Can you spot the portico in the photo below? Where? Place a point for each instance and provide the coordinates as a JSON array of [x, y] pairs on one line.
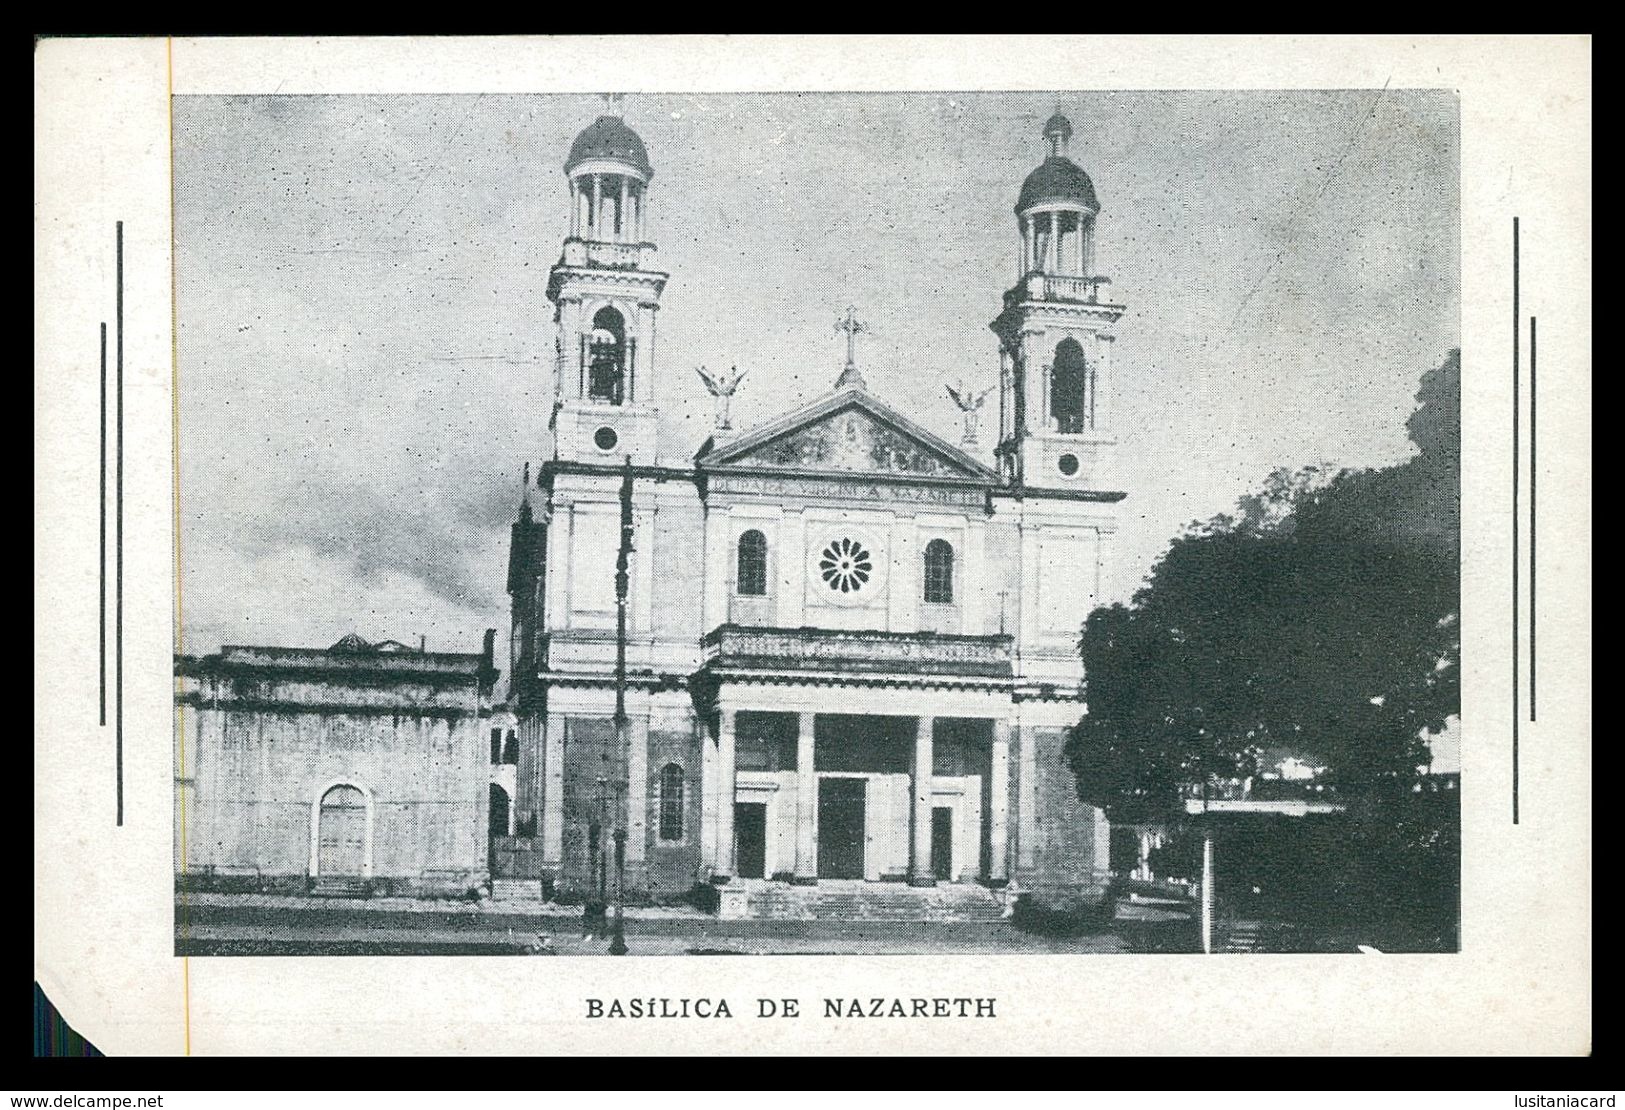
[[806, 778]]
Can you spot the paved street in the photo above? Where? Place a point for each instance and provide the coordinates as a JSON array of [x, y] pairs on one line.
[[262, 925]]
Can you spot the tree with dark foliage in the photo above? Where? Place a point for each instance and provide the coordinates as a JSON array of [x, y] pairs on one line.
[[1322, 617]]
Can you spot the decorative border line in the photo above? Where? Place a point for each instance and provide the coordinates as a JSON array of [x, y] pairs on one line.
[[101, 576], [118, 537], [1516, 479], [1533, 473]]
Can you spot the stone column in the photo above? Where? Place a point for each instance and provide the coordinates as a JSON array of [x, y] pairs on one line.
[[998, 814], [789, 568], [575, 209], [643, 570], [708, 796], [1027, 800], [1006, 408], [597, 213], [646, 354], [570, 341], [1034, 379], [919, 867], [806, 873], [1026, 247], [725, 798], [529, 782], [1053, 247], [1101, 394], [625, 211], [553, 793]]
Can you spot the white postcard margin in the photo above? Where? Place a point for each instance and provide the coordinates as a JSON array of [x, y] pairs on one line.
[[103, 906]]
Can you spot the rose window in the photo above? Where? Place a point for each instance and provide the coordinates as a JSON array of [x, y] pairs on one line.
[[845, 566]]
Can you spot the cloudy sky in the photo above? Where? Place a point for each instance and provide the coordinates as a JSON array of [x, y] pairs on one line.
[[364, 333]]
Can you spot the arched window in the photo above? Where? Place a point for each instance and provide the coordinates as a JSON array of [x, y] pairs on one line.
[[606, 357], [499, 811], [671, 802], [939, 573], [1069, 388], [751, 579]]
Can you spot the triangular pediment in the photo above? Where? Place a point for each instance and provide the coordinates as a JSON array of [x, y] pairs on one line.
[[848, 433]]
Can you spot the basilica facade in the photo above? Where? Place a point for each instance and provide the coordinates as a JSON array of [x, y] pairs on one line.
[[832, 653], [833, 648]]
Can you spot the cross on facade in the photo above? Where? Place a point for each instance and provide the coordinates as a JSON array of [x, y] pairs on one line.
[[1004, 601], [851, 326]]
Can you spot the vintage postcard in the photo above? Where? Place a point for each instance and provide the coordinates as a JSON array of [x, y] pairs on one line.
[[1017, 534]]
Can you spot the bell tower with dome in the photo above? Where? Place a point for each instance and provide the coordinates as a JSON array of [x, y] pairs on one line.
[[605, 292], [1055, 339]]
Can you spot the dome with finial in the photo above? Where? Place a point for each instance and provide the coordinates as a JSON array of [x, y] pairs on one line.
[[1059, 178], [609, 138]]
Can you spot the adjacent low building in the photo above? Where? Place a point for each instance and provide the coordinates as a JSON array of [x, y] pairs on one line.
[[358, 768]]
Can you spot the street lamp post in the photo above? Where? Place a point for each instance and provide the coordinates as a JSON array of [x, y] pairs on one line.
[[589, 924], [617, 944], [623, 813], [603, 866]]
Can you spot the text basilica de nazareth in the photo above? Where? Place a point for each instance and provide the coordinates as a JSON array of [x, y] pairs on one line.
[[890, 1007]]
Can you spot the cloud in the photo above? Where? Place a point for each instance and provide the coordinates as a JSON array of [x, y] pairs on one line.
[[300, 597]]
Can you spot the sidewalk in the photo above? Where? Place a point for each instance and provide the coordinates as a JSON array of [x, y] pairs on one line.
[[251, 924], [516, 907]]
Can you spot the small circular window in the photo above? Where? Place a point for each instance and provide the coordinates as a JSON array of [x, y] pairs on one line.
[[845, 566], [605, 438], [1069, 464]]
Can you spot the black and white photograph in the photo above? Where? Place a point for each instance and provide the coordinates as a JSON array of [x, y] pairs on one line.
[[1067, 545], [818, 523]]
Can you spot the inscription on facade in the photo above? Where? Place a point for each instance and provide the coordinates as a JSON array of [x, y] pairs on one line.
[[851, 490]]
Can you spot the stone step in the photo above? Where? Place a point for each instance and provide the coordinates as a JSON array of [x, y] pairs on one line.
[[948, 902], [516, 890], [339, 887]]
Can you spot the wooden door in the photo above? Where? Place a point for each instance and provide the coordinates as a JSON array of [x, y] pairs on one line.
[[942, 843], [342, 833], [750, 840], [840, 828]]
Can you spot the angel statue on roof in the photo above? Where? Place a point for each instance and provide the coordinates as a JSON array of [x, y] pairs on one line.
[[721, 385], [970, 403]]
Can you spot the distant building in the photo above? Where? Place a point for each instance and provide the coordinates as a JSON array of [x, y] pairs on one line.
[[361, 767]]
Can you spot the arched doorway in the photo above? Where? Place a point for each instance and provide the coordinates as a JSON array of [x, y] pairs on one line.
[[341, 838]]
